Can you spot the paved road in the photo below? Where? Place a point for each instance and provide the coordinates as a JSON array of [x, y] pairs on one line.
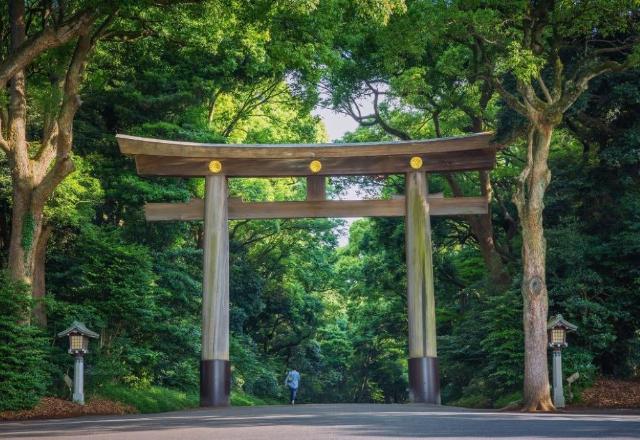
[[306, 422]]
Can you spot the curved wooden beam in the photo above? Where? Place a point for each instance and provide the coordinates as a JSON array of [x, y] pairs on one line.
[[133, 145]]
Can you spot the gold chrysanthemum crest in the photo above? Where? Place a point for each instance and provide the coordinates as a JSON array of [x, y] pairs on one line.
[[315, 166], [215, 166]]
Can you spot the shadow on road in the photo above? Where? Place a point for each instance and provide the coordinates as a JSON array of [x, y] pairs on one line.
[[336, 421]]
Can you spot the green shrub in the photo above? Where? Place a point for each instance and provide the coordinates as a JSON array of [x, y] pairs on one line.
[[148, 399], [473, 401], [508, 399], [577, 360], [23, 349], [154, 399], [238, 398]]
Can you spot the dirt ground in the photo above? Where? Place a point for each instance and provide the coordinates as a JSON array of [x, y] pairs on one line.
[[609, 393], [55, 408]]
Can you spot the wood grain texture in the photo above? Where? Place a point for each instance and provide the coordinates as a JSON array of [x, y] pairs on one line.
[[396, 207], [318, 208], [134, 145], [469, 160], [420, 287], [215, 286], [316, 188]]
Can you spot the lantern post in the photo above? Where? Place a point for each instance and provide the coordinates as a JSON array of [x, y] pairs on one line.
[[79, 336], [557, 329]]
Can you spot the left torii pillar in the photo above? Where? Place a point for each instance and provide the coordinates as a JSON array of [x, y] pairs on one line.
[[215, 369]]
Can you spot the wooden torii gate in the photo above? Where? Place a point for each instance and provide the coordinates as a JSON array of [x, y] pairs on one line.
[[217, 162]]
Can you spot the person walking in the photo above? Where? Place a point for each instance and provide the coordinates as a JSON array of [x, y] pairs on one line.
[[293, 381]]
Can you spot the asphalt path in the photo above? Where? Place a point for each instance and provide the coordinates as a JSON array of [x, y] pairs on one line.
[[348, 421]]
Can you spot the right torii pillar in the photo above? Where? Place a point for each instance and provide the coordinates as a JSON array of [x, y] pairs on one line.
[[424, 376]]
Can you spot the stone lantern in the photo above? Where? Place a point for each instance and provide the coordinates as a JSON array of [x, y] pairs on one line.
[[79, 336], [557, 329]]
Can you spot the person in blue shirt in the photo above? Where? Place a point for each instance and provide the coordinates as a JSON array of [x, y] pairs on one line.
[[293, 381]]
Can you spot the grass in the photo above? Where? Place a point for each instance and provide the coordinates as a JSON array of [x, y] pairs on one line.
[[514, 398], [151, 399], [154, 399], [238, 398], [472, 401]]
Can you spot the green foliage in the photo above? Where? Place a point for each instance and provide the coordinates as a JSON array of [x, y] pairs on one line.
[[471, 400], [108, 284], [508, 400], [243, 72], [23, 349], [148, 399], [521, 62], [239, 398]]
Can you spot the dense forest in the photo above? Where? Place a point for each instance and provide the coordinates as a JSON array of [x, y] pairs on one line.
[[548, 77]]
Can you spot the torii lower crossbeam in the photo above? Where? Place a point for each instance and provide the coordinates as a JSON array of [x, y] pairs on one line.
[[239, 210]]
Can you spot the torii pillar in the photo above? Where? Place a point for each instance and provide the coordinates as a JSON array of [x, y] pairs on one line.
[[424, 376], [215, 369]]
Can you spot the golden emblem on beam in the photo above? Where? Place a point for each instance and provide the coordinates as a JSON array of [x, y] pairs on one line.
[[315, 166], [215, 166], [416, 162]]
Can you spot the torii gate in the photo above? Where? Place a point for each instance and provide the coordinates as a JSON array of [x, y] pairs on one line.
[[217, 162]]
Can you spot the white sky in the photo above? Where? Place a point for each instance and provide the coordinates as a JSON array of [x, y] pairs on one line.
[[337, 123]]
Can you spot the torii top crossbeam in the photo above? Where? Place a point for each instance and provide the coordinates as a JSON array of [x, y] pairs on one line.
[[155, 157], [172, 158]]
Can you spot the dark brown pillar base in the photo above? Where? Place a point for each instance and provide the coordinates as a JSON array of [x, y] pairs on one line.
[[424, 380], [215, 382]]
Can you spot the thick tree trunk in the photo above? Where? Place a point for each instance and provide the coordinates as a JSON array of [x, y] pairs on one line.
[[482, 229], [528, 198], [38, 287], [25, 220], [26, 229]]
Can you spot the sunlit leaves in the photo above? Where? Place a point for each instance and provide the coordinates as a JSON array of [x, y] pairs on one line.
[[521, 62]]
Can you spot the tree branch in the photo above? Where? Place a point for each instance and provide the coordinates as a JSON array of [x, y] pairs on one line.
[[509, 97], [544, 89], [48, 38], [580, 82], [385, 126], [557, 81], [63, 141], [529, 94]]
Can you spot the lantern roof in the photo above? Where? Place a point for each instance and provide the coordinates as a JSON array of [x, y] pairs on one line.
[[78, 327], [559, 321]]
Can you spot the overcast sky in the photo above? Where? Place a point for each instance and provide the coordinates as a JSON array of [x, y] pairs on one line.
[[337, 123]]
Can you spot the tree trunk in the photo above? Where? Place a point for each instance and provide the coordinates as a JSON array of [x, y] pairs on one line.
[[528, 198], [482, 229], [38, 287], [26, 219], [481, 225], [26, 229]]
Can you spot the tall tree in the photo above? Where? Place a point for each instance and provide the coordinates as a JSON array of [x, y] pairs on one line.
[[406, 79], [44, 58], [38, 167], [540, 55]]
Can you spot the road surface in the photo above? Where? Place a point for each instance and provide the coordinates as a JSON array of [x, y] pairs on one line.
[[349, 421]]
